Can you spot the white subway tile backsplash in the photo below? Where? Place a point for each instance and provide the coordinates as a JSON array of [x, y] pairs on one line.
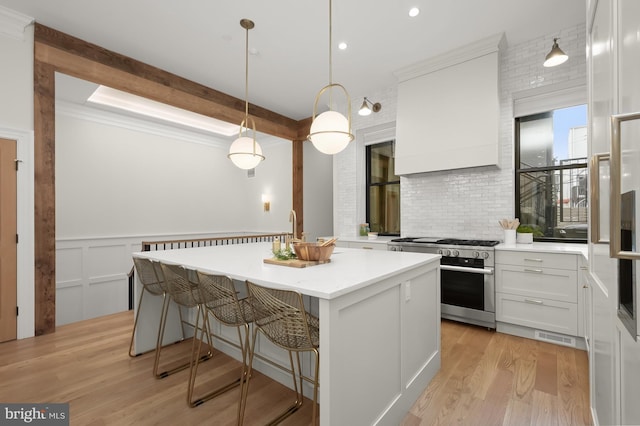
[[467, 202]]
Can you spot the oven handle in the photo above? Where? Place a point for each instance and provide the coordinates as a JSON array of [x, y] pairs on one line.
[[483, 271]]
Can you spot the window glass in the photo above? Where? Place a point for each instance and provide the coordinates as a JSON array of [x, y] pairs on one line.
[[551, 177], [383, 189]]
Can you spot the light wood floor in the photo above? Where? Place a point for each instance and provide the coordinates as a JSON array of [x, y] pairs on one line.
[[487, 378], [490, 378]]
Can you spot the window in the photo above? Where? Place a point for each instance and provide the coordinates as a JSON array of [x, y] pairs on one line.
[[551, 174], [383, 189]]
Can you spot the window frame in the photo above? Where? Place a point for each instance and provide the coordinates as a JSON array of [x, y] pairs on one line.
[[368, 183], [519, 171]]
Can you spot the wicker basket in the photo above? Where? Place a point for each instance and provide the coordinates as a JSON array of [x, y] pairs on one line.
[[313, 251]]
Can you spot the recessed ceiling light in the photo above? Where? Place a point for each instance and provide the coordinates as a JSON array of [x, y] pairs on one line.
[[342, 45], [413, 12]]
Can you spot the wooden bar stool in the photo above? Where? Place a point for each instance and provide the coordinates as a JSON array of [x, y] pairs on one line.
[[281, 317]]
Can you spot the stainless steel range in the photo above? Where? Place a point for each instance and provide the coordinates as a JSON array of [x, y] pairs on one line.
[[467, 279]]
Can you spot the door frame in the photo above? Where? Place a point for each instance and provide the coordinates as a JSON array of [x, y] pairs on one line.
[[25, 225]]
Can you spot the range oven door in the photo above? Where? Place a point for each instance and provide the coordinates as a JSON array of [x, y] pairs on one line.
[[468, 294]]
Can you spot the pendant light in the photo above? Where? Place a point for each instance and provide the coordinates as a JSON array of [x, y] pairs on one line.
[[556, 56], [331, 131], [245, 151]]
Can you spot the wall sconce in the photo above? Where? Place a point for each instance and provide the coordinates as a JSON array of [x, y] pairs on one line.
[[556, 56], [266, 202], [365, 110]]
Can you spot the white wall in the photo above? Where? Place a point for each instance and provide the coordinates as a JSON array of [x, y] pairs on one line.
[[16, 73], [16, 123], [466, 202], [121, 180]]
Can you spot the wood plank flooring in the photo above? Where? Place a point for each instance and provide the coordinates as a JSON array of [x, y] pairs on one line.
[[487, 378], [490, 378]]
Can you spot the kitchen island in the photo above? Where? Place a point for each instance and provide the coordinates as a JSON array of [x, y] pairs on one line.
[[379, 317]]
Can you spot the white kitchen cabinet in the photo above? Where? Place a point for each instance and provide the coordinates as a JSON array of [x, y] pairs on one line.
[[629, 378], [537, 313], [457, 90], [369, 245], [537, 290], [613, 55], [585, 320], [379, 243]]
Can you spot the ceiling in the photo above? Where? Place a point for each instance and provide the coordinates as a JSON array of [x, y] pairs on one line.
[[202, 40]]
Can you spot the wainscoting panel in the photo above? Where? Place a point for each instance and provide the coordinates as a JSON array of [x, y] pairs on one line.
[[92, 274], [68, 264], [106, 295], [69, 305]]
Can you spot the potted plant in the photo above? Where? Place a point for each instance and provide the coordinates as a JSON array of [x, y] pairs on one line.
[[525, 234]]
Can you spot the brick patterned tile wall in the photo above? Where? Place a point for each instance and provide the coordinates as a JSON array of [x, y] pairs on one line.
[[467, 202]]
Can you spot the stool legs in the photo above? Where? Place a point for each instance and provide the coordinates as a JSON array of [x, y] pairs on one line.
[[163, 321], [135, 324], [297, 384], [195, 361]]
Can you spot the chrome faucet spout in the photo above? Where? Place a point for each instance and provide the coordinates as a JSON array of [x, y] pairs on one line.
[[293, 218]]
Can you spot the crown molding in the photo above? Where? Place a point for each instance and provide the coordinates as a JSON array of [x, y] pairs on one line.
[[462, 54], [13, 24], [85, 112], [132, 123]]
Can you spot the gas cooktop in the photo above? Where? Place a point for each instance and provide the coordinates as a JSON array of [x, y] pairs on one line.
[[447, 241]]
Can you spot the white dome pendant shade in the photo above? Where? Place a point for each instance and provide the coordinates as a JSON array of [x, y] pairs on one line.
[[245, 152], [330, 131]]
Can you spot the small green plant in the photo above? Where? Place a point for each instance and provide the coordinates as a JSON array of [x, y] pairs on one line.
[[284, 254], [527, 229]]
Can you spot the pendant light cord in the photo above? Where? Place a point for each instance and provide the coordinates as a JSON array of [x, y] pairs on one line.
[[246, 78], [330, 56]]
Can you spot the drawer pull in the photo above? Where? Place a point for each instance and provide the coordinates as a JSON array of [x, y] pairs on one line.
[[533, 260], [537, 271], [534, 302], [367, 248]]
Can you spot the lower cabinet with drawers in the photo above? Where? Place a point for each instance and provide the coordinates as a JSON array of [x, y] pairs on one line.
[[363, 243], [537, 296]]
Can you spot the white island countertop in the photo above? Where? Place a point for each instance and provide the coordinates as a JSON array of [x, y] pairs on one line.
[[348, 271], [379, 315]]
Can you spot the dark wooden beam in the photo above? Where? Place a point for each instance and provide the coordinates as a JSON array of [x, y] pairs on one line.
[[81, 59], [44, 199], [297, 168]]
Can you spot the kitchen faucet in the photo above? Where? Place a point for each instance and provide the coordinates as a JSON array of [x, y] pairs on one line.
[[293, 218]]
